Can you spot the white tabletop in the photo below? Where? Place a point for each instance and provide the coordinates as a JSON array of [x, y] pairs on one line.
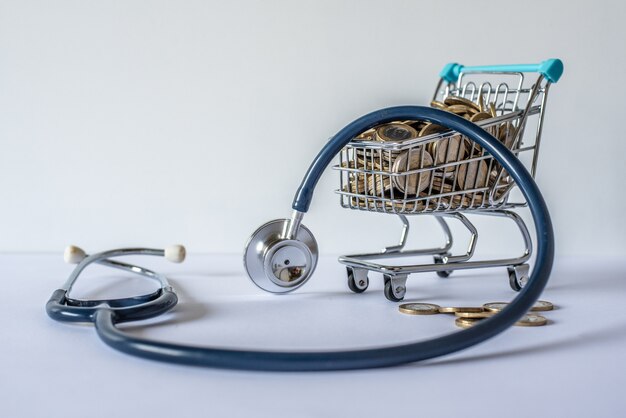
[[575, 366]]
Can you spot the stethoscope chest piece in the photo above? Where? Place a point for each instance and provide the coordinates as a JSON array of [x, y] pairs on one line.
[[278, 264]]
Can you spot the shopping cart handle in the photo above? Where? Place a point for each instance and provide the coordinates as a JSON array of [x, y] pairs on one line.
[[551, 69]]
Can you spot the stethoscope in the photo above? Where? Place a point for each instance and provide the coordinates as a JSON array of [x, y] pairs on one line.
[[287, 239]]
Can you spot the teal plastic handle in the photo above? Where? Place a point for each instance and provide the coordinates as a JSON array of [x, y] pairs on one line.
[[551, 69]]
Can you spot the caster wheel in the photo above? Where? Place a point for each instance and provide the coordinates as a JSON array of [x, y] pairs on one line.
[[439, 259], [395, 288], [518, 276], [357, 280]]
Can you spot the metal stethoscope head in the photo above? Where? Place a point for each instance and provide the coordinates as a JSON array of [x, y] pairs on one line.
[[281, 255]]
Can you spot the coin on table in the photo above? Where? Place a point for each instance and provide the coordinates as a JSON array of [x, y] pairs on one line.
[[457, 100], [540, 305], [474, 315], [532, 321], [419, 308], [412, 159], [395, 132], [495, 306], [466, 322], [454, 309]]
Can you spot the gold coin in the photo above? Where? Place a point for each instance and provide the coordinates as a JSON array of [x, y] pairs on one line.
[[448, 150], [368, 135], [495, 306], [457, 100], [419, 308], [473, 174], [431, 128], [465, 201], [460, 109], [480, 116], [532, 321], [378, 184], [492, 109], [395, 132], [454, 309], [412, 159], [466, 322], [474, 315], [481, 103], [438, 105], [540, 305], [439, 186]]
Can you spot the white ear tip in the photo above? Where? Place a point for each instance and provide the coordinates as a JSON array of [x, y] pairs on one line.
[[175, 253], [73, 254]]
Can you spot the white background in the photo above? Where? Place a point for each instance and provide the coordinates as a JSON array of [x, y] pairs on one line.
[[152, 122], [573, 367]]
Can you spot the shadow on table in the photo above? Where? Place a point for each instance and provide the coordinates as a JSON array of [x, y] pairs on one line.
[[599, 336]]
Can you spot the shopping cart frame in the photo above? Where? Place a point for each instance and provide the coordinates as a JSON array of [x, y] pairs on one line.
[[517, 105]]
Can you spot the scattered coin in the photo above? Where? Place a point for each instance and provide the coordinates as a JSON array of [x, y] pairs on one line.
[[540, 305], [419, 308], [454, 309], [474, 315], [466, 322], [468, 316], [495, 306], [532, 321]]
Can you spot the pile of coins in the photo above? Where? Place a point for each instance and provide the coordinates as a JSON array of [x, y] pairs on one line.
[[439, 162], [470, 315]]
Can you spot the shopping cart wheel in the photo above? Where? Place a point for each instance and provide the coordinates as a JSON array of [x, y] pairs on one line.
[[441, 259], [357, 279], [395, 286], [518, 276]]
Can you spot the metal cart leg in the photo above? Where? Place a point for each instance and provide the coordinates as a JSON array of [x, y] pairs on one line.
[[358, 280], [395, 275]]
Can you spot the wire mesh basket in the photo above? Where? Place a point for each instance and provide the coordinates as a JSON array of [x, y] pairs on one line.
[[414, 167]]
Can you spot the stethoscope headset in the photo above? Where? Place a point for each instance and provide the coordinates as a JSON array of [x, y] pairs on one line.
[[289, 239]]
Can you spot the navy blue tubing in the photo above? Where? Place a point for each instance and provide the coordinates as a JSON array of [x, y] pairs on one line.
[[105, 319]]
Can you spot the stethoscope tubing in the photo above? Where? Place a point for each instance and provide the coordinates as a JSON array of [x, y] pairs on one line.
[[106, 318]]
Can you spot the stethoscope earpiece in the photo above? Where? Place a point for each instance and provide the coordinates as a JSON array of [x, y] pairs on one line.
[[73, 254], [175, 253]]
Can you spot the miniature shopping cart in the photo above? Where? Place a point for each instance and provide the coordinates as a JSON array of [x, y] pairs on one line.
[[445, 174]]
